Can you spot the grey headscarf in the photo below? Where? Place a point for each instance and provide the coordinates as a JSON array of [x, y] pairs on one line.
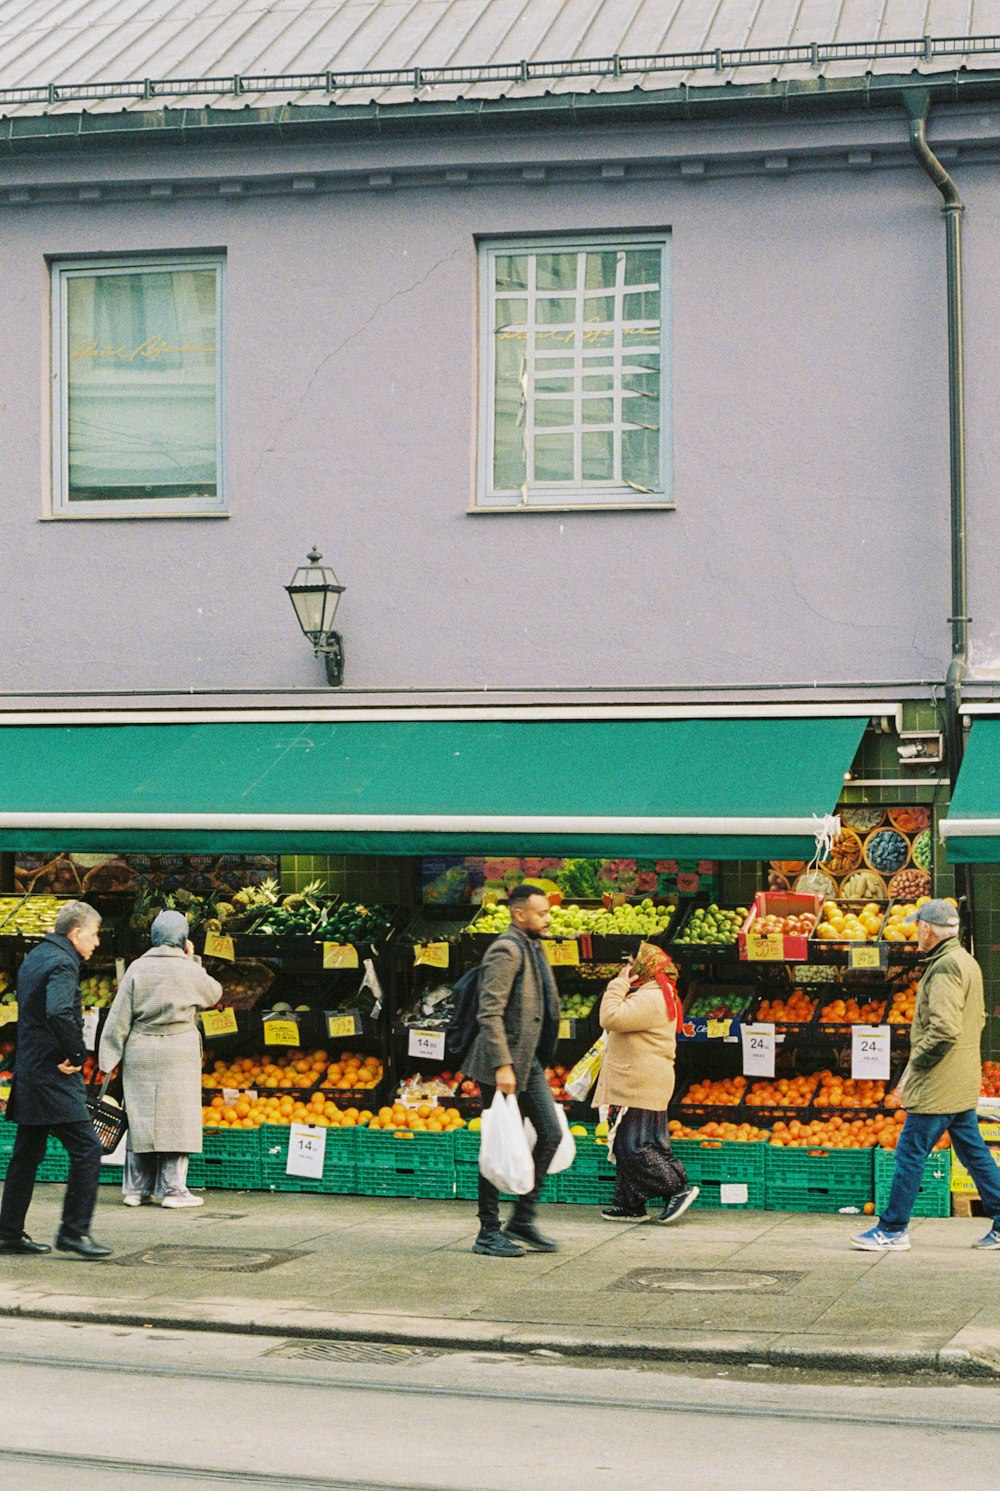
[[170, 929]]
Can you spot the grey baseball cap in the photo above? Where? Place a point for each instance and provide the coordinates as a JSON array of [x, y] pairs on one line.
[[937, 913]]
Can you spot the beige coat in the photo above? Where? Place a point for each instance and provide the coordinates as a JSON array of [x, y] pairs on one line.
[[638, 1066], [152, 1029], [948, 1020]]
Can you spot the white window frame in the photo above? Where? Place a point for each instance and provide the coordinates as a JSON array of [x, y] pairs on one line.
[[61, 272], [567, 496]]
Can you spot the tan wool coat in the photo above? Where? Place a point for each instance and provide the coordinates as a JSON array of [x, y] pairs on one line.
[[638, 1066], [948, 1021], [152, 1029]]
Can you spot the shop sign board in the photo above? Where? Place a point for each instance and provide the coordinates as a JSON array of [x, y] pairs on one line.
[[758, 1050], [283, 1032], [432, 954], [306, 1151], [340, 955], [218, 1022], [870, 1051], [343, 1023], [426, 1043]]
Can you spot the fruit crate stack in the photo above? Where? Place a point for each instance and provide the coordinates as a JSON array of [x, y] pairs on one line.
[[467, 1170], [340, 1162], [229, 1161], [727, 1174], [934, 1196], [8, 1133], [403, 1163], [590, 1180], [817, 1179]]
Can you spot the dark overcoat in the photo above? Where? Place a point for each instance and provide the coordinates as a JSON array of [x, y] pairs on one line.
[[518, 1011], [49, 1030]]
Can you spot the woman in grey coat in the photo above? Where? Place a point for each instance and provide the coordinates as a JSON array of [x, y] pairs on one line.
[[152, 1029]]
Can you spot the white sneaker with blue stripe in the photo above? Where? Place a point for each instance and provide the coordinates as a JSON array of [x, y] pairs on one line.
[[991, 1240], [881, 1240]]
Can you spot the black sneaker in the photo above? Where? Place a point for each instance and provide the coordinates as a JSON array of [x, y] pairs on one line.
[[495, 1245], [621, 1214], [678, 1205], [528, 1233]]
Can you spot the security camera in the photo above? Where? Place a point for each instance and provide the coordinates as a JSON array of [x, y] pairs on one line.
[[909, 750]]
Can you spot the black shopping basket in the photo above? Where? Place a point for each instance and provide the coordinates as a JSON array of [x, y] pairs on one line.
[[110, 1121]]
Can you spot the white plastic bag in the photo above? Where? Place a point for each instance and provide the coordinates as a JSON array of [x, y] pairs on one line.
[[566, 1153], [504, 1156]]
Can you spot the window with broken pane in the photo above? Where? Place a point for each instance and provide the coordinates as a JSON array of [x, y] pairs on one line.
[[575, 350]]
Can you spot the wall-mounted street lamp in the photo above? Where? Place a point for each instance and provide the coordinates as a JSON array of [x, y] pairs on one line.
[[314, 593]]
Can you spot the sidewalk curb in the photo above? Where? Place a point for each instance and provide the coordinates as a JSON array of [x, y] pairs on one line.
[[982, 1364]]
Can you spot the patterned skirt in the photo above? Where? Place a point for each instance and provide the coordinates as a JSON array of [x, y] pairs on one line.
[[645, 1165]]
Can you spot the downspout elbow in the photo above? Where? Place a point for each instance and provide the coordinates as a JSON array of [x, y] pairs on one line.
[[917, 103]]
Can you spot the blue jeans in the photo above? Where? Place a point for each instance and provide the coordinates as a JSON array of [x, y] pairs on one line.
[[921, 1131]]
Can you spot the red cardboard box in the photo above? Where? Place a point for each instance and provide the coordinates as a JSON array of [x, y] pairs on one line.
[[779, 948]]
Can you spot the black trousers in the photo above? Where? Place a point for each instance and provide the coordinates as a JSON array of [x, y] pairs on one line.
[[84, 1149], [537, 1104]]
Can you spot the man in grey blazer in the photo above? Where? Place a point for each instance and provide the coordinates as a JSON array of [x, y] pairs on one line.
[[518, 1028]]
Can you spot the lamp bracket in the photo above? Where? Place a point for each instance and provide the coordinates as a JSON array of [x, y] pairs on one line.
[[330, 646]]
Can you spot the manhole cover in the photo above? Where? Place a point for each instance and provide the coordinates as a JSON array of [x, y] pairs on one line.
[[350, 1351], [213, 1260], [707, 1280], [219, 1216]]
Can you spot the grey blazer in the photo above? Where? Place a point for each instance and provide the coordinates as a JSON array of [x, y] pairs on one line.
[[514, 1024]]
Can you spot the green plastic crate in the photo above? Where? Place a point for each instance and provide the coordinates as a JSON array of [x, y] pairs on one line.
[[340, 1168], [712, 1164], [820, 1180], [8, 1133], [582, 1190], [591, 1157], [430, 1184], [419, 1152], [934, 1196], [55, 1166], [229, 1161]]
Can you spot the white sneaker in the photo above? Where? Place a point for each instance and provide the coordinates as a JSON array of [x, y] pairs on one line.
[[178, 1201], [134, 1200]]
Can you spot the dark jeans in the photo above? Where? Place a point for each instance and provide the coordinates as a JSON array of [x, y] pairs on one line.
[[84, 1149], [537, 1104], [921, 1131]]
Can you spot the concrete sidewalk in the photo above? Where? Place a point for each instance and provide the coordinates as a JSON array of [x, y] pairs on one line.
[[725, 1286]]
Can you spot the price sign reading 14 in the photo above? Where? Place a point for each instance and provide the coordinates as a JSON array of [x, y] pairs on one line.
[[426, 1043], [870, 1052]]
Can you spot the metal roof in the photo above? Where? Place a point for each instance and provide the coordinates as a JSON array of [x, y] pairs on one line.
[[103, 56]]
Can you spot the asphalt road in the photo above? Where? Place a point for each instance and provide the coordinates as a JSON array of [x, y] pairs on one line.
[[128, 1409]]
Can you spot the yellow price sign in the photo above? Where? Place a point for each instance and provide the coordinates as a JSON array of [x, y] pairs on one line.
[[768, 947], [217, 946], [339, 1025], [218, 1022], [565, 1030], [340, 955], [717, 1030], [8, 1014], [281, 1032], [865, 957], [433, 954], [562, 954]]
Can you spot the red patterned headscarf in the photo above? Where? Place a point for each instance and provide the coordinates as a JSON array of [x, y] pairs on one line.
[[651, 962]]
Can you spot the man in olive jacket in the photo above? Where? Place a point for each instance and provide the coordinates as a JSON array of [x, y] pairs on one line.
[[518, 1027], [940, 1087], [48, 1095]]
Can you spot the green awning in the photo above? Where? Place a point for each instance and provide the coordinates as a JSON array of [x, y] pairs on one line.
[[971, 831], [709, 788]]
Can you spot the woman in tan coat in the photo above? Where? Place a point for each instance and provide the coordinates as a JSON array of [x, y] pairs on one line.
[[640, 1011]]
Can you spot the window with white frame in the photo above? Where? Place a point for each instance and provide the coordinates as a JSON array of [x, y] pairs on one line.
[[574, 409], [137, 387]]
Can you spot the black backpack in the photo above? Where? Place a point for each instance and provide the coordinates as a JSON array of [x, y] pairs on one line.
[[463, 1027]]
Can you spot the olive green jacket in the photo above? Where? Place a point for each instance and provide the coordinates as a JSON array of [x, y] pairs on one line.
[[945, 1062]]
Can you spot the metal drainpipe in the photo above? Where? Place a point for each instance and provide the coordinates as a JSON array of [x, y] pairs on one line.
[[917, 106]]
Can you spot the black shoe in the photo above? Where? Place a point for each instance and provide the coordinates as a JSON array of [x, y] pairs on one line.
[[620, 1214], [678, 1205], [83, 1247], [22, 1244], [528, 1233], [495, 1245]]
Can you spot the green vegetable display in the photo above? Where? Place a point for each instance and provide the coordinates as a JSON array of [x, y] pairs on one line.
[[713, 925]]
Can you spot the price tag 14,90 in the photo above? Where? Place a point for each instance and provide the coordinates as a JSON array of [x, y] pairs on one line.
[[870, 1052], [426, 1043], [306, 1151], [758, 1050]]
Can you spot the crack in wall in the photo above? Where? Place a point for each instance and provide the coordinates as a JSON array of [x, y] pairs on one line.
[[383, 305]]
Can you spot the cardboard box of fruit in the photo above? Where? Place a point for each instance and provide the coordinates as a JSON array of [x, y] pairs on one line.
[[779, 926]]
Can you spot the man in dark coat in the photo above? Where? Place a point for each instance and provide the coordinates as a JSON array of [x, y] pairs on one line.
[[518, 1027], [47, 1094]]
